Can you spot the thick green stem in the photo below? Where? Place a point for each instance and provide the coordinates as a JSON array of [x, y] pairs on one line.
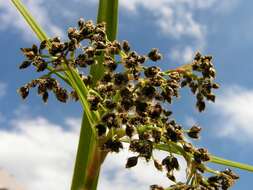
[[87, 143], [108, 13]]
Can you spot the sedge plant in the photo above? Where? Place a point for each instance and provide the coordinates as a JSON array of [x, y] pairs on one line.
[[128, 105]]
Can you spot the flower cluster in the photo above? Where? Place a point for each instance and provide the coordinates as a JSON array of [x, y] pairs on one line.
[[132, 100]]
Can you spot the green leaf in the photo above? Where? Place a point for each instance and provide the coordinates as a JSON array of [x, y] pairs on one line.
[[30, 20], [108, 13]]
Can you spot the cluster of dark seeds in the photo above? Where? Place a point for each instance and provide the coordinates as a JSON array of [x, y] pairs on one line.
[[131, 102]]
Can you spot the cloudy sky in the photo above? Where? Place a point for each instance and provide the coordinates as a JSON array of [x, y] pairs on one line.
[[38, 141]]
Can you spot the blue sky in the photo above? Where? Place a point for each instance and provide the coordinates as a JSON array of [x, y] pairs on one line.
[[38, 141]]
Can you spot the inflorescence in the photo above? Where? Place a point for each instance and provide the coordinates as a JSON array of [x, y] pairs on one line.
[[133, 101]]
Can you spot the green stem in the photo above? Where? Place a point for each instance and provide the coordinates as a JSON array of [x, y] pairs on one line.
[[86, 146], [108, 13], [230, 163]]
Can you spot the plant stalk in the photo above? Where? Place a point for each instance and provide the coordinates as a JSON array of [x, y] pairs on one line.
[[86, 173]]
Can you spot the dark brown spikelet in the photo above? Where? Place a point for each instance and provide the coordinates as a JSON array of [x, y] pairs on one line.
[[151, 71], [156, 187], [113, 145], [200, 105], [125, 46], [101, 129], [129, 130], [45, 97], [170, 163], [43, 44], [158, 166], [194, 132], [154, 55], [171, 177], [110, 104], [74, 95], [23, 92], [132, 161], [61, 95], [120, 79], [25, 64]]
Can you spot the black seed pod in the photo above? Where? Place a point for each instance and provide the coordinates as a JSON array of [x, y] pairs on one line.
[[171, 163], [141, 59], [101, 129], [155, 111], [151, 71], [125, 46], [94, 101], [188, 147], [129, 130], [107, 78], [28, 52], [156, 134], [132, 161], [156, 187], [141, 106], [126, 104], [197, 56], [110, 104], [215, 86], [171, 177], [113, 145], [110, 120], [158, 165], [200, 155], [25, 64], [148, 91], [200, 105], [45, 97], [81, 23], [174, 163], [61, 95], [194, 132], [43, 44], [41, 65], [120, 79], [23, 91], [74, 95], [154, 55], [210, 97]]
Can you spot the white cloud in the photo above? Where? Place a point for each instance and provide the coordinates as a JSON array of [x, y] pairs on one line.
[[233, 110], [11, 19], [40, 155], [183, 55], [3, 89], [177, 19]]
